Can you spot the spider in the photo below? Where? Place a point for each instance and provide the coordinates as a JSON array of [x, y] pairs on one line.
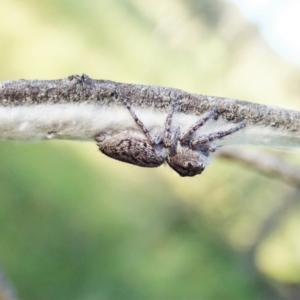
[[185, 154]]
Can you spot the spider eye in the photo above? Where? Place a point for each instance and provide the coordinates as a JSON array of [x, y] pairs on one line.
[[194, 169], [187, 168]]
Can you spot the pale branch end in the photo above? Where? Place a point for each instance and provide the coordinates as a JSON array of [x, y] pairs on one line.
[[7, 291]]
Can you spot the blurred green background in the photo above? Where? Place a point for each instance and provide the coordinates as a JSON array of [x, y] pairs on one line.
[[77, 225]]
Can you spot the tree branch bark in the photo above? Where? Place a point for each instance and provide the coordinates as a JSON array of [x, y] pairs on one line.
[[31, 103]]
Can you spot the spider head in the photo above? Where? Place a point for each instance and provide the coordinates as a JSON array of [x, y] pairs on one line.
[[187, 162]]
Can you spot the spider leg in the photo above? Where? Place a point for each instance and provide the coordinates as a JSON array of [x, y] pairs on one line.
[[139, 123], [186, 137], [171, 135], [208, 148], [215, 136], [168, 141]]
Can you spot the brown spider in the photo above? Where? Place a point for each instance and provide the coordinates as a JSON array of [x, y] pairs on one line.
[[185, 154]]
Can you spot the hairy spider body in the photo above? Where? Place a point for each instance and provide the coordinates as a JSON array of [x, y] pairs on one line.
[[132, 148], [186, 155]]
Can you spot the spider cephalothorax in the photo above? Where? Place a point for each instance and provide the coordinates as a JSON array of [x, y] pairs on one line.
[[186, 161], [184, 153]]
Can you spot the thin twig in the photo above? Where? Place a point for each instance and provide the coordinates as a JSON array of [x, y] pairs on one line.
[[265, 163]]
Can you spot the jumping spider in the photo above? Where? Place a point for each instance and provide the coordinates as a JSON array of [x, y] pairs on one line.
[[185, 154]]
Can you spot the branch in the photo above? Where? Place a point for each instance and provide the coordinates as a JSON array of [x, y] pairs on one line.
[[78, 108], [265, 163]]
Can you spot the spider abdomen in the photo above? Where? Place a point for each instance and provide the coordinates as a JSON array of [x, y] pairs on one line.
[[133, 150]]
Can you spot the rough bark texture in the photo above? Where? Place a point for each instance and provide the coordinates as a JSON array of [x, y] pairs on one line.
[[81, 88]]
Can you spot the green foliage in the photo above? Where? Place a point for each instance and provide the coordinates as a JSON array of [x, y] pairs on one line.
[[71, 232]]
